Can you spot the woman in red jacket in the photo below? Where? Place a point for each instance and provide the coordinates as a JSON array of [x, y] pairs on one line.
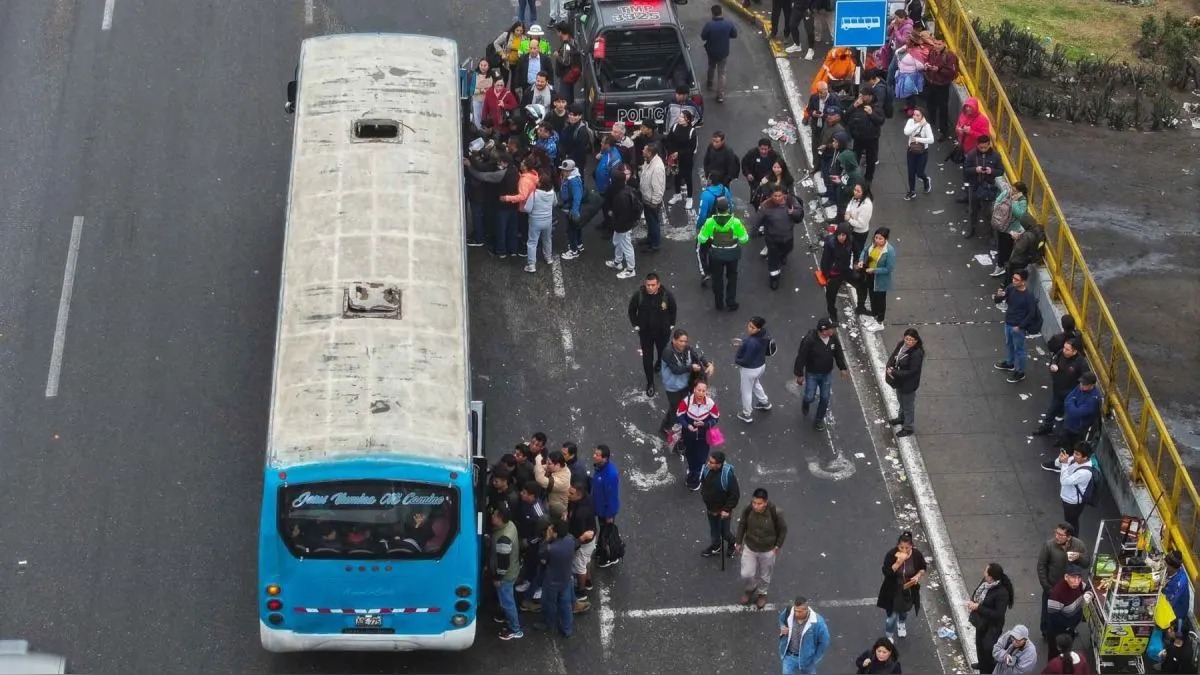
[[972, 124], [497, 104]]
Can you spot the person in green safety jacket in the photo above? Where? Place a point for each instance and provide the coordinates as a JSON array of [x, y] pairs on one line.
[[725, 235]]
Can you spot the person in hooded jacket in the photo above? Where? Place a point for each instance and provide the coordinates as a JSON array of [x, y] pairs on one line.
[[971, 126], [882, 657], [845, 173], [903, 373], [1014, 653], [988, 606], [837, 262], [776, 220], [540, 207], [864, 122], [1010, 199], [825, 150], [726, 235], [571, 192], [751, 360]]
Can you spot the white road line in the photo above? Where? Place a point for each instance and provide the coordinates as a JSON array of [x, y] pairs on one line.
[[607, 619], [568, 342], [559, 666], [671, 612], [106, 22], [560, 288], [64, 309], [308, 12]]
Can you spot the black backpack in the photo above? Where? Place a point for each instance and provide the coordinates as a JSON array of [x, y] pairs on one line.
[[610, 546], [633, 201]]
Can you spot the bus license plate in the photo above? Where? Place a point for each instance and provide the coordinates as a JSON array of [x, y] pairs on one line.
[[368, 621]]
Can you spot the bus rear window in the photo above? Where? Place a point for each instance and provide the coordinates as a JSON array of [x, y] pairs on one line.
[[368, 519], [642, 59]]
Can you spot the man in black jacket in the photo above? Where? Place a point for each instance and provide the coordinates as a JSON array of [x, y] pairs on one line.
[[757, 163], [652, 314], [864, 121], [981, 168], [575, 141], [776, 220], [720, 159], [720, 492], [1067, 365], [819, 351]]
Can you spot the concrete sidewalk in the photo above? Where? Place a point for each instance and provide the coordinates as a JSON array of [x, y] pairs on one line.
[[973, 462]]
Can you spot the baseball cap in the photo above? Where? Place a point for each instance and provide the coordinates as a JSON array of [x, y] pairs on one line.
[[824, 324], [1074, 570], [567, 165], [832, 110], [575, 109]]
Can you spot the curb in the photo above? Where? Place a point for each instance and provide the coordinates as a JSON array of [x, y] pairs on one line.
[[945, 558]]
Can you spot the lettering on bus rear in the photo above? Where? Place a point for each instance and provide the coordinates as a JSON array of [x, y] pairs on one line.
[[368, 519]]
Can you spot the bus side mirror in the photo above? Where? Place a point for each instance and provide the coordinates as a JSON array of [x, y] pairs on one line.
[[290, 106]]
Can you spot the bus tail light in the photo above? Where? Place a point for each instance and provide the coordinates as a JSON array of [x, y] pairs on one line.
[[463, 591], [459, 620], [274, 605], [462, 606], [273, 590], [275, 619]]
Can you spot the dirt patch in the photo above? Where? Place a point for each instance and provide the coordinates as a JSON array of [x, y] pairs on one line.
[[1085, 27], [1131, 200]]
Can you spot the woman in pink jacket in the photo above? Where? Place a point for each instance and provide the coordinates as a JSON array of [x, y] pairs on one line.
[[972, 124]]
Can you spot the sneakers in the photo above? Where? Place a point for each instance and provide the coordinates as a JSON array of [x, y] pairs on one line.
[[499, 619], [909, 196], [745, 599], [745, 418], [608, 563], [704, 280], [792, 49], [580, 593], [804, 407], [693, 488], [1016, 376], [613, 264], [675, 199], [872, 324], [1003, 365], [928, 184], [589, 585], [808, 55], [730, 552], [761, 601], [289, 107], [531, 268], [1033, 336], [896, 421], [762, 406], [711, 550], [819, 425], [570, 254], [474, 244], [650, 391], [1050, 466], [522, 587], [901, 434], [763, 252], [998, 271], [627, 273], [507, 634], [688, 204], [537, 595], [901, 630], [501, 256]]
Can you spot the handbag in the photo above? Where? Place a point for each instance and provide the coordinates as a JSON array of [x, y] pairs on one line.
[[917, 148], [715, 437], [903, 600]]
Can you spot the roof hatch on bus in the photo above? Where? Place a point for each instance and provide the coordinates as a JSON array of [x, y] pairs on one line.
[[377, 129], [367, 300]]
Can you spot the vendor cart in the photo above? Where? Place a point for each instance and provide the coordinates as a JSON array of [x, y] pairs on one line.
[[1126, 577]]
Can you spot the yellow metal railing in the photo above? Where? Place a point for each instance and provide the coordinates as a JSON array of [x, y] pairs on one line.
[[1157, 464]]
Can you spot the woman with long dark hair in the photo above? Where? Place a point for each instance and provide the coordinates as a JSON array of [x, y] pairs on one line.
[[900, 593], [882, 658], [988, 606], [681, 151], [903, 373], [875, 266]]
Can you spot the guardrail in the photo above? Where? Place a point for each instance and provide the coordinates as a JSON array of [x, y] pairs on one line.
[[1156, 461]]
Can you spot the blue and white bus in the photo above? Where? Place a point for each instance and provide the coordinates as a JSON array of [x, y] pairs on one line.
[[370, 530]]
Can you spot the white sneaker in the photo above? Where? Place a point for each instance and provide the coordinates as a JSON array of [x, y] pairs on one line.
[[569, 254], [537, 595], [763, 252], [688, 204], [998, 272], [875, 326], [792, 49], [675, 199], [901, 630], [531, 268], [522, 587], [809, 54], [627, 273], [613, 264]]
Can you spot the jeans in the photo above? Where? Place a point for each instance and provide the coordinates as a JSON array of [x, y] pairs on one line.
[[574, 232], [823, 382], [508, 605], [652, 345], [1014, 347], [531, 5], [695, 446], [718, 529], [717, 68], [889, 623], [791, 666], [477, 220], [557, 608], [916, 168], [653, 215], [751, 388], [506, 232], [623, 249], [908, 409], [538, 233], [756, 570]]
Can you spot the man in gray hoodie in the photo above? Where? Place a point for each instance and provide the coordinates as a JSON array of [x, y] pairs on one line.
[[776, 220], [1015, 654]]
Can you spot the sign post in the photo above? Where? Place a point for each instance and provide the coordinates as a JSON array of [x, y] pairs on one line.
[[860, 24]]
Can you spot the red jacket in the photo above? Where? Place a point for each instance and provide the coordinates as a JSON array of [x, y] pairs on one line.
[[941, 67], [972, 124], [494, 106]]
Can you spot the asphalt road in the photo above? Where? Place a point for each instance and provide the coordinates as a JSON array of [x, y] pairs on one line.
[[130, 498]]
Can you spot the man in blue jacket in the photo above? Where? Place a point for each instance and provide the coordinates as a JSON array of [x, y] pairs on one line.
[[751, 360], [803, 638], [606, 496], [716, 35], [1020, 316], [1081, 410]]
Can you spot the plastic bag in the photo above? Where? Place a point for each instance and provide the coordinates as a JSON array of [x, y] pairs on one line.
[[715, 437]]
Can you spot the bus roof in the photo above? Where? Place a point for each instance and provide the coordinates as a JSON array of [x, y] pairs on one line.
[[371, 354]]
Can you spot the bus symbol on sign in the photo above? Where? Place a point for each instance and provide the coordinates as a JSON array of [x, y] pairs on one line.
[[863, 22]]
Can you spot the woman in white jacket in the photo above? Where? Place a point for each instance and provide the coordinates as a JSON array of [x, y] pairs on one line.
[[858, 215], [540, 207], [920, 137]]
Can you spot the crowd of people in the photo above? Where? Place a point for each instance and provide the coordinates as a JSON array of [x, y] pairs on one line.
[[534, 162]]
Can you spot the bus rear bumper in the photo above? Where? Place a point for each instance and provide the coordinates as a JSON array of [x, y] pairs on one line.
[[277, 640]]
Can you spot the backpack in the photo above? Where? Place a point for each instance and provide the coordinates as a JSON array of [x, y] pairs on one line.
[[633, 201], [1091, 494], [610, 545], [726, 471], [1002, 210]]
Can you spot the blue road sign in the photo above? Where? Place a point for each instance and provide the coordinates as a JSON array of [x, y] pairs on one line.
[[860, 23]]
